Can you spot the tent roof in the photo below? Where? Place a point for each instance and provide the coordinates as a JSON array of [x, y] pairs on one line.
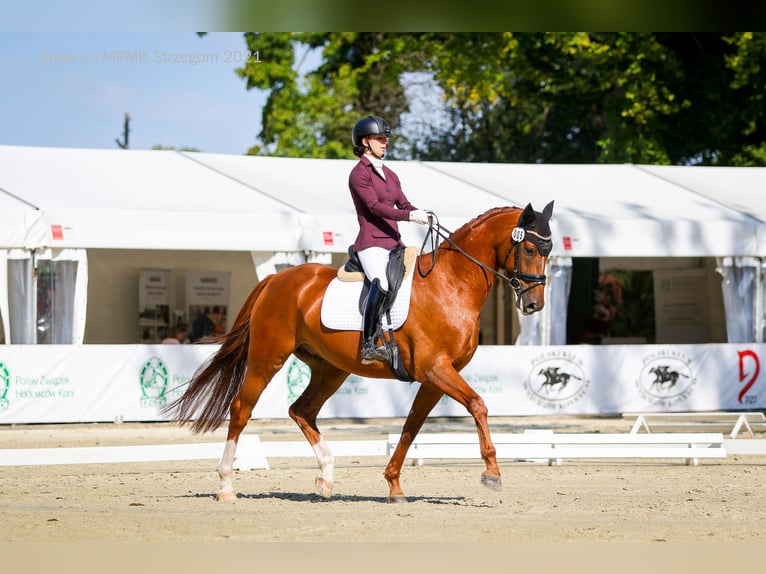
[[144, 200], [20, 226], [319, 189], [135, 199], [617, 210], [739, 188]]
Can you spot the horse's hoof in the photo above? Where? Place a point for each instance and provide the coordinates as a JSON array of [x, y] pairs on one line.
[[324, 488], [491, 481], [398, 499], [226, 496]]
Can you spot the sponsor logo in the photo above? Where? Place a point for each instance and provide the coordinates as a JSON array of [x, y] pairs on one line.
[[5, 385], [154, 383], [748, 377], [556, 380], [298, 377], [666, 378], [352, 386]]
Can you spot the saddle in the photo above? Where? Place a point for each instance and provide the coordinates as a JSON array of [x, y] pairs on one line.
[[400, 262]]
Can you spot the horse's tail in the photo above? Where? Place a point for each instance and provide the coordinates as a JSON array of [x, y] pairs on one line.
[[215, 384]]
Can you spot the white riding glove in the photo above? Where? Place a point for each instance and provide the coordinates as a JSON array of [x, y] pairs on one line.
[[420, 216]]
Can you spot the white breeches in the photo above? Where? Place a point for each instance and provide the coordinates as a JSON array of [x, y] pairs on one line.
[[374, 261]]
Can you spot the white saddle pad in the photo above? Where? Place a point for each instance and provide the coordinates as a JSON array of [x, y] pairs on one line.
[[340, 306]]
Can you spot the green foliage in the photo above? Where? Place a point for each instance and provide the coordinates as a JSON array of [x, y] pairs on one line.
[[658, 98]]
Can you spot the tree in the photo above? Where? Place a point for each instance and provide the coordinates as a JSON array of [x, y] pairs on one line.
[[663, 98], [313, 115]]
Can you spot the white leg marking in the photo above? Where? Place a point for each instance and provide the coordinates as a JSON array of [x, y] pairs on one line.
[[226, 466], [325, 459]]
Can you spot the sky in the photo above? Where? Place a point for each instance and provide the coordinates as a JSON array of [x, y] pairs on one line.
[[70, 89]]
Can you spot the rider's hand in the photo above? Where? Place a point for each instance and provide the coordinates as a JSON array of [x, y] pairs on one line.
[[420, 216]]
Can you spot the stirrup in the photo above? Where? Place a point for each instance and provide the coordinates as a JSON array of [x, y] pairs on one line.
[[372, 353]]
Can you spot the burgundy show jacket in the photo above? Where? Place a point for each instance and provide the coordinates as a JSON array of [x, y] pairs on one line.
[[380, 204]]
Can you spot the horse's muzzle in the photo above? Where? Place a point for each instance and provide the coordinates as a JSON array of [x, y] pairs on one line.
[[531, 307]]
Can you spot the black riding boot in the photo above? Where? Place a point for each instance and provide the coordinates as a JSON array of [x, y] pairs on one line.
[[371, 324]]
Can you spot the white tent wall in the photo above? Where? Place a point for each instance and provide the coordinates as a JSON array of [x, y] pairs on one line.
[[5, 325], [113, 286], [741, 189], [53, 313]]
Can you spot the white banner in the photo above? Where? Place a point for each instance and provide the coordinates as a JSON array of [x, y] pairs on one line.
[[104, 383]]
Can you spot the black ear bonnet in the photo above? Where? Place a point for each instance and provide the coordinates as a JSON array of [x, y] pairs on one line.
[[534, 226]]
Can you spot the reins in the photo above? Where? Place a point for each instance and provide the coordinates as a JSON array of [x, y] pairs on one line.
[[517, 238]]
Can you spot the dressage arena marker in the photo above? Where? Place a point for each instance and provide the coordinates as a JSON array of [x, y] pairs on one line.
[[556, 447], [720, 420], [540, 445], [251, 452]]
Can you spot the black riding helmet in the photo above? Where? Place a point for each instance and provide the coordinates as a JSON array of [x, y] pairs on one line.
[[371, 125]]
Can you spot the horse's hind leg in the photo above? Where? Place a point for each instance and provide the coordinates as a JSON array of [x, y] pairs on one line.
[[325, 380], [240, 411]]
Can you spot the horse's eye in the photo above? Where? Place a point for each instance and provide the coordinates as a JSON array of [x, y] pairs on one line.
[[530, 252]]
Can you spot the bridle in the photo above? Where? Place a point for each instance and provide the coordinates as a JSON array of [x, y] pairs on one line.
[[519, 234]]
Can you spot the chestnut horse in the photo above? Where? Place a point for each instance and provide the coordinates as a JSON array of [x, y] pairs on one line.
[[281, 317]]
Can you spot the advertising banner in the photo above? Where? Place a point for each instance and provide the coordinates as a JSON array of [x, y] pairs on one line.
[[104, 383], [153, 304]]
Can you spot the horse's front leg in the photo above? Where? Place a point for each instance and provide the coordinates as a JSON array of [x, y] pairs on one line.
[[449, 381], [425, 400], [491, 475]]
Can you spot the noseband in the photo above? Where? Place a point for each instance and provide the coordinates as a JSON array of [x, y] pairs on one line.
[[543, 245], [518, 236]]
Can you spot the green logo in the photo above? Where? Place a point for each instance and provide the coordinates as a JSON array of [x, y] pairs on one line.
[[154, 383], [5, 385], [298, 377]]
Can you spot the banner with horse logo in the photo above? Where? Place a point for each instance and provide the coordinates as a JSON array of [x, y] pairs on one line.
[[104, 383]]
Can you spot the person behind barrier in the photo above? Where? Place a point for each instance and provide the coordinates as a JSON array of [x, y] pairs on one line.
[[177, 336], [380, 204]]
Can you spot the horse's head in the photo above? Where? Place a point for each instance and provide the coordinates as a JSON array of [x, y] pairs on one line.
[[531, 244]]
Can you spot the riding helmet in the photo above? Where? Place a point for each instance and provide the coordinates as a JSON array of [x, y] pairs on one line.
[[371, 125]]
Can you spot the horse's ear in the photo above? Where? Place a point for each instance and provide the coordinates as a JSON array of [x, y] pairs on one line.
[[548, 211], [527, 216]]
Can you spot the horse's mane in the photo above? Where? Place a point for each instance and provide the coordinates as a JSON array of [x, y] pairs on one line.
[[481, 218]]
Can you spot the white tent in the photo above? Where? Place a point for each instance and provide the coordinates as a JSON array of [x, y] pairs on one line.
[[740, 188], [319, 188], [123, 201], [618, 210], [143, 200], [21, 225], [744, 190], [179, 200]]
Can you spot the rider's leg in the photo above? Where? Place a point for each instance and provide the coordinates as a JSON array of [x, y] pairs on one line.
[[374, 261], [371, 325]]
